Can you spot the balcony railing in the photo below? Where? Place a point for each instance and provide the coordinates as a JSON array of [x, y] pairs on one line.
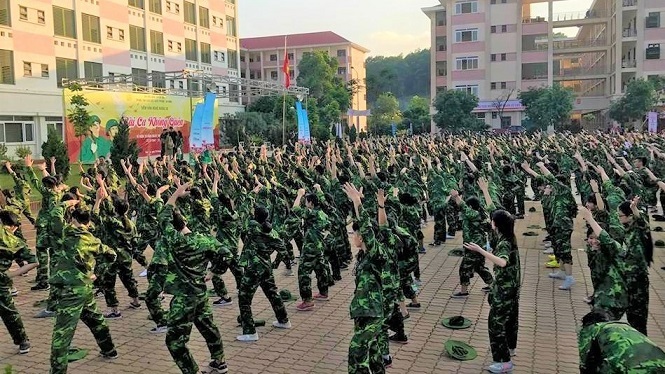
[[534, 20], [629, 2], [627, 64], [572, 16], [579, 43], [582, 70], [629, 33]]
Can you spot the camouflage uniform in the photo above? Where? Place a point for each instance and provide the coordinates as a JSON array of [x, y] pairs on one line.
[[74, 261], [146, 225], [12, 248], [617, 348], [610, 287], [504, 301], [391, 288], [311, 252], [227, 234], [367, 304], [188, 262], [407, 261], [563, 209], [22, 193], [157, 271], [473, 231], [43, 245], [636, 274], [258, 246]]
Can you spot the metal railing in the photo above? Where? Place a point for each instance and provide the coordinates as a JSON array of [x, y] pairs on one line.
[[579, 43], [534, 20], [573, 16], [626, 64], [598, 69], [628, 33], [629, 2]]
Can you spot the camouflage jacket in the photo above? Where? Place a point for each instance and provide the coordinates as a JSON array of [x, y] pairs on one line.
[[12, 248], [315, 225], [146, 220], [611, 291], [563, 205], [617, 348], [227, 225], [368, 296], [120, 234], [49, 198], [258, 246], [189, 256], [507, 280], [474, 228], [200, 216], [614, 197], [390, 275], [633, 254]]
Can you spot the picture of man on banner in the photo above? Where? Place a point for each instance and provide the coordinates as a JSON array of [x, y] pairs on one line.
[[93, 145]]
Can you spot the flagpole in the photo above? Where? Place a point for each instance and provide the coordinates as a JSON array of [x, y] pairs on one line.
[[284, 101]]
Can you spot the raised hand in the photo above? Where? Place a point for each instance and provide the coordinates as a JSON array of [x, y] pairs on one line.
[[28, 161]]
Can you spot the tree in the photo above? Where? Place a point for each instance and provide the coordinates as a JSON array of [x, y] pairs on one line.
[[123, 148], [404, 76], [384, 113], [640, 97], [454, 109], [55, 147], [548, 106], [501, 101], [417, 116], [78, 114]]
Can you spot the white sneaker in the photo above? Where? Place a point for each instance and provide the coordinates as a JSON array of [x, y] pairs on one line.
[[450, 237], [549, 251], [558, 275], [14, 292], [282, 325], [159, 330], [144, 273], [512, 353], [568, 283], [501, 367], [288, 273], [248, 338]]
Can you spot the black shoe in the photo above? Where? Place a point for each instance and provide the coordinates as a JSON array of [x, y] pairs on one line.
[[24, 348], [486, 289], [413, 305], [113, 315], [388, 362], [133, 305], [223, 301], [337, 278], [110, 355], [344, 266], [40, 287], [397, 338], [218, 367], [404, 318], [459, 295]]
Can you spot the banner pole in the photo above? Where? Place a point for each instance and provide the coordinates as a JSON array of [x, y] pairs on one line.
[[284, 100]]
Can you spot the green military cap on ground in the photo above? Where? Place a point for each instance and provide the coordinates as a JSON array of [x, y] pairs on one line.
[[460, 350], [456, 323], [457, 252], [286, 295]]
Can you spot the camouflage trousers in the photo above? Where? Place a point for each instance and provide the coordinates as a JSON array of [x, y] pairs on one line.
[[10, 316], [405, 279], [473, 263], [333, 250], [364, 354], [185, 311], [218, 282], [508, 202], [122, 270], [156, 278], [289, 247], [74, 304], [313, 262], [147, 239], [637, 310], [591, 256], [251, 280], [561, 244], [42, 252], [394, 321], [503, 324], [520, 197], [440, 225], [452, 219]]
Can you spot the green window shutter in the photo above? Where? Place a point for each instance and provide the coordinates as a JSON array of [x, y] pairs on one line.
[[58, 21], [5, 18], [6, 67]]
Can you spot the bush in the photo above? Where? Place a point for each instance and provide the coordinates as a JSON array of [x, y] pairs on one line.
[[3, 152], [55, 147], [123, 148], [23, 151]]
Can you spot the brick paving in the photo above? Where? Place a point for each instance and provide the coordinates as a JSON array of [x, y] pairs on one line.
[[318, 343]]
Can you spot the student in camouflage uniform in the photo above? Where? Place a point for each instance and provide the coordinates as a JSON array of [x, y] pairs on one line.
[[13, 248], [367, 306], [74, 261], [504, 291], [259, 242], [311, 252], [614, 347], [190, 255]]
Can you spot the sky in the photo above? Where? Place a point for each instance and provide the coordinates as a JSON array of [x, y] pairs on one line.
[[385, 27]]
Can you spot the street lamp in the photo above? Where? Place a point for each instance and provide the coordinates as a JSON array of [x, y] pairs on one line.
[[357, 99]]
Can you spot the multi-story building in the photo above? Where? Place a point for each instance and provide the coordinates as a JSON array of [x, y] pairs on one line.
[[262, 58], [495, 48], [44, 42]]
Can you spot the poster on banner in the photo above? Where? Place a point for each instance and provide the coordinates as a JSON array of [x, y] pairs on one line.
[[652, 119], [146, 114], [303, 124]]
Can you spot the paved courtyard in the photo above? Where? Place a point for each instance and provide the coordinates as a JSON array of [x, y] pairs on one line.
[[318, 342]]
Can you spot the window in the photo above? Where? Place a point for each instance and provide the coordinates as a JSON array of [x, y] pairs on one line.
[[45, 73], [5, 18], [273, 57], [493, 86], [505, 122], [172, 7], [493, 29], [273, 75], [140, 77], [205, 53], [65, 69], [470, 89], [466, 7], [23, 13], [233, 59], [109, 32], [64, 22], [220, 56], [504, 57], [230, 26], [466, 35], [341, 71], [190, 12], [156, 42], [191, 53], [121, 34], [137, 38], [158, 79], [204, 17], [466, 63], [341, 53], [503, 85], [6, 67], [653, 52], [442, 69], [493, 57], [292, 74], [92, 70], [492, 2], [480, 115], [91, 28], [495, 115], [155, 6], [17, 132], [290, 56], [41, 17], [653, 20], [504, 28], [136, 3], [56, 124]]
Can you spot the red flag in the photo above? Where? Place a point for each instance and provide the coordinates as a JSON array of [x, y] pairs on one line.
[[285, 69]]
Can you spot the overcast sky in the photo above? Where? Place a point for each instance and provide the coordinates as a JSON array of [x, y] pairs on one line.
[[386, 27]]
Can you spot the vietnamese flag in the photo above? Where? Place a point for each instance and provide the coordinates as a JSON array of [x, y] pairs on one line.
[[285, 69]]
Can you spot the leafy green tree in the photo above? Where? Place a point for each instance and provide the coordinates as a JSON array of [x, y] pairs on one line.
[[78, 114], [55, 147], [640, 97], [404, 76], [385, 112], [454, 112], [548, 106], [123, 148], [417, 115]]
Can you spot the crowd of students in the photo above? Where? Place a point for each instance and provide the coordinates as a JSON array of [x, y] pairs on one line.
[[235, 210]]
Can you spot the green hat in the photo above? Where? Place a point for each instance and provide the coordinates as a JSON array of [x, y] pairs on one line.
[[111, 124], [286, 295], [530, 233], [459, 350], [457, 252], [659, 243], [658, 218], [456, 323], [532, 210], [76, 354], [658, 229], [535, 227], [92, 119]]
